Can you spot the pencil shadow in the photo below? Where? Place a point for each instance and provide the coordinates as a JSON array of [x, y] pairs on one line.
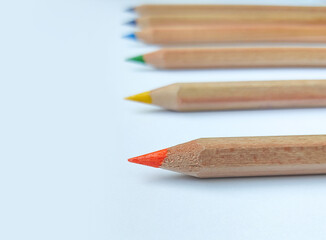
[[217, 112], [230, 44], [181, 181], [150, 69]]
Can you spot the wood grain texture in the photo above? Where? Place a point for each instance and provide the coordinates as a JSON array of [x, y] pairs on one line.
[[241, 95], [196, 58], [232, 18], [179, 9], [249, 156], [235, 33]]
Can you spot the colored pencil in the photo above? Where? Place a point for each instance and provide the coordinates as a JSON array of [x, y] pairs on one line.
[[234, 33], [242, 156], [197, 58], [237, 95], [235, 18], [191, 9]]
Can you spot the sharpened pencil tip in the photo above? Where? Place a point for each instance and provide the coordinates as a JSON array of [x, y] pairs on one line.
[[131, 36], [139, 58], [132, 23], [144, 97], [154, 159], [130, 9]]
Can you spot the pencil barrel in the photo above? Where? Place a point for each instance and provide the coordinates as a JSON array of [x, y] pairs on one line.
[[235, 33], [189, 9], [249, 156], [241, 95], [231, 18], [197, 58]]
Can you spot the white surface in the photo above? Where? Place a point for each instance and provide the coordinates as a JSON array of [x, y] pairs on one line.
[[66, 134]]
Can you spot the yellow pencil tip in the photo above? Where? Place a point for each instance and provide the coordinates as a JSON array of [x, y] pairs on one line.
[[144, 97]]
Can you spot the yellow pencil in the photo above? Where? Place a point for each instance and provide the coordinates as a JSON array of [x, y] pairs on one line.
[[237, 95]]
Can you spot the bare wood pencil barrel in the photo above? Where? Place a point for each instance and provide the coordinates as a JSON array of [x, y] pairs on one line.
[[231, 18], [238, 95], [193, 9], [234, 33], [194, 58], [243, 156]]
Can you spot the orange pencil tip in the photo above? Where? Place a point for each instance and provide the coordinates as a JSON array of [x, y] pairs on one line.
[[154, 159]]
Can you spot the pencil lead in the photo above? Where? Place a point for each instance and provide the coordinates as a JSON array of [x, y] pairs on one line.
[[131, 36], [144, 97], [139, 58], [154, 159], [131, 23], [130, 9]]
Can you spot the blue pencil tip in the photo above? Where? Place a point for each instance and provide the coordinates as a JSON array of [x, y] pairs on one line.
[[132, 22], [131, 9], [131, 36]]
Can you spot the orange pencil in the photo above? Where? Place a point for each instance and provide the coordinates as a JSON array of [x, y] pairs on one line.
[[242, 156]]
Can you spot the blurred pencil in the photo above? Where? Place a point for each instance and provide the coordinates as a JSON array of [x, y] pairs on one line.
[[191, 9], [234, 33], [231, 18], [197, 58], [242, 156], [237, 95]]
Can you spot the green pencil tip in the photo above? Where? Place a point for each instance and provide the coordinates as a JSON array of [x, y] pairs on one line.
[[137, 59]]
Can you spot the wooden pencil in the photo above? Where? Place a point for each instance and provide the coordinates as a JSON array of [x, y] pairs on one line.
[[191, 9], [254, 57], [233, 18], [237, 95], [242, 156], [234, 33]]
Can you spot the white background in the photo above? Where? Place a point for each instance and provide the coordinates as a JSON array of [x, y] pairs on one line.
[[66, 134]]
